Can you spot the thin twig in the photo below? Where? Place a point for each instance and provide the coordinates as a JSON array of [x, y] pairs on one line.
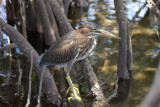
[[22, 7], [113, 95], [40, 88], [137, 13], [22, 10], [8, 47], [10, 63], [106, 79], [30, 82], [20, 76], [155, 15]]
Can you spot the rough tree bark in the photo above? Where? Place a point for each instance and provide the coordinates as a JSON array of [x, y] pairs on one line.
[[66, 4], [49, 86], [90, 77], [123, 32]]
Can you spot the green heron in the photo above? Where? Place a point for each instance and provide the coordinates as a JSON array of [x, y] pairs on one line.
[[72, 47]]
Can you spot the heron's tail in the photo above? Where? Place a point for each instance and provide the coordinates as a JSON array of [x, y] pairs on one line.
[[40, 61]]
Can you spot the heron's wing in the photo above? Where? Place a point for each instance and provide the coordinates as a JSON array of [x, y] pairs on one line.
[[60, 55], [64, 40]]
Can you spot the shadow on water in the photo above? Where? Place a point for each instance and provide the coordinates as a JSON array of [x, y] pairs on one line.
[[104, 59]]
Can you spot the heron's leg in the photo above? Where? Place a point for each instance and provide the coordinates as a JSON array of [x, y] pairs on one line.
[[72, 86]]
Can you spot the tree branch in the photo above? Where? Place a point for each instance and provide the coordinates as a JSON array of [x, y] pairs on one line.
[[49, 86], [92, 81], [49, 33], [60, 16], [137, 13], [8, 47], [52, 20]]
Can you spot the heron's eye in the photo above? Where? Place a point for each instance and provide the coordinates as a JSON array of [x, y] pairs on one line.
[[93, 29]]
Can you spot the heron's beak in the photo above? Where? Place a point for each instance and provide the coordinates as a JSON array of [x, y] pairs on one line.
[[106, 33]]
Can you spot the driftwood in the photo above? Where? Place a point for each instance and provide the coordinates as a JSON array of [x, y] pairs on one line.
[[49, 86]]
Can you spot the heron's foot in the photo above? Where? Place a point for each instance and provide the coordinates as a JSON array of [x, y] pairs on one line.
[[75, 86], [77, 97], [75, 92]]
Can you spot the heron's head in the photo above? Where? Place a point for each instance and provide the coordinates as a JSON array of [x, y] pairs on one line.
[[92, 30]]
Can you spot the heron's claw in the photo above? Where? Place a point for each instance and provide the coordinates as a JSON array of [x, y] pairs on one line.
[[77, 97], [75, 86], [76, 90]]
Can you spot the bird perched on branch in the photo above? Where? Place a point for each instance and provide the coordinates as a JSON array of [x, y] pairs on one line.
[[74, 46]]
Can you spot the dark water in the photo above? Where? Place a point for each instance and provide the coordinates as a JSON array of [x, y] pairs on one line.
[[104, 59]]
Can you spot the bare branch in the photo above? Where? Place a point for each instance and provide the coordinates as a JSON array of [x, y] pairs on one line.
[[40, 89], [22, 10], [30, 82], [20, 76], [92, 81], [137, 13], [8, 47]]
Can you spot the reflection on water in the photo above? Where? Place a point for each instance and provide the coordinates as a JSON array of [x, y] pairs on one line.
[[104, 58], [145, 48]]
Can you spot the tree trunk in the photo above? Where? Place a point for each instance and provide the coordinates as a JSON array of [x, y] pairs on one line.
[[124, 74]]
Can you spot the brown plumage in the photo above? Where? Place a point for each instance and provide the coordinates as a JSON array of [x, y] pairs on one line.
[[75, 45]]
